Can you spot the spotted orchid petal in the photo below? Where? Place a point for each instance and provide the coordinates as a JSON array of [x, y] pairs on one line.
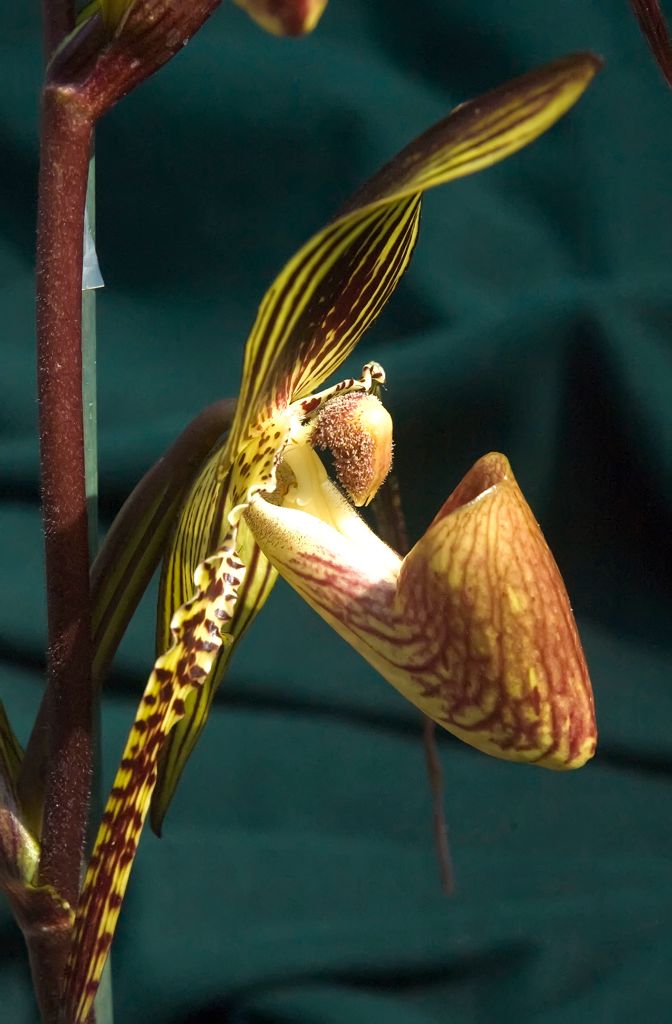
[[257, 584], [308, 323], [285, 17], [311, 319], [474, 626]]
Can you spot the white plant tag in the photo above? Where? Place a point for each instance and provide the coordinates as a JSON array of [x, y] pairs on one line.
[[91, 276]]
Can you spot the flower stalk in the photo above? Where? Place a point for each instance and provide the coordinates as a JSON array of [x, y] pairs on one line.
[[64, 166], [86, 76]]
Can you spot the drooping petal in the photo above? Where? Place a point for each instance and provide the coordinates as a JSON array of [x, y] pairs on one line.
[[474, 626], [128, 558], [197, 633], [285, 17], [200, 528], [252, 594], [654, 28], [333, 289]]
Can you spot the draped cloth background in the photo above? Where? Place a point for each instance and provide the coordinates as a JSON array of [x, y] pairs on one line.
[[296, 880]]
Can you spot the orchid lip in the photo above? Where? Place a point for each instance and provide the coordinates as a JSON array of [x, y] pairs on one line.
[[480, 637]]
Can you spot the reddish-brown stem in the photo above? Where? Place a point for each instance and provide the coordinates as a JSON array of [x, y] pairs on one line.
[[64, 162], [58, 18]]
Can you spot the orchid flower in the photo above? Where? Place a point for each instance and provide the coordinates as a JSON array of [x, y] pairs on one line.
[[473, 626]]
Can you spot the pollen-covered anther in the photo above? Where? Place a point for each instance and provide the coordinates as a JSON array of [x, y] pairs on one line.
[[357, 430]]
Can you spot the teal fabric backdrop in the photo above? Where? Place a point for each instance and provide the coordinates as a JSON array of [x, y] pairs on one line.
[[296, 882]]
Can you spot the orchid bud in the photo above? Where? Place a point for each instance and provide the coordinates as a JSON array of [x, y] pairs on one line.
[[285, 17], [357, 429]]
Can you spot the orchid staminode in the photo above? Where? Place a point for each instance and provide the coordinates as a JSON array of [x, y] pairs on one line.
[[474, 626]]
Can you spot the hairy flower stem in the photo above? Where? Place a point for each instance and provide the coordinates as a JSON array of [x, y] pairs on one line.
[[64, 163]]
